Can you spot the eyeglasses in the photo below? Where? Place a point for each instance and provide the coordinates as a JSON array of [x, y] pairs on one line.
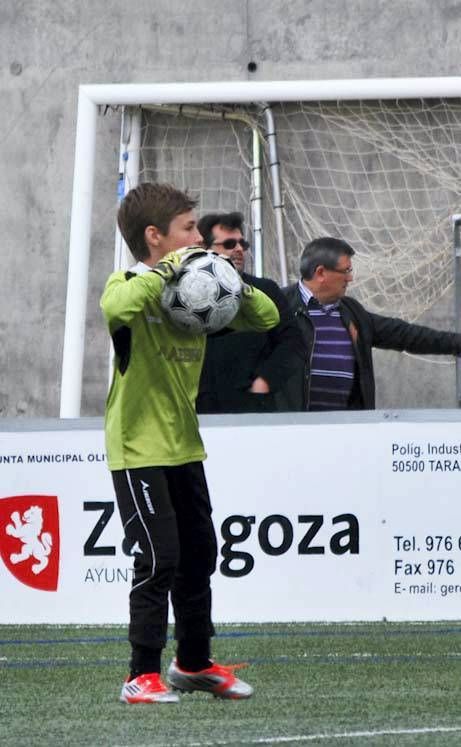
[[229, 244], [346, 271]]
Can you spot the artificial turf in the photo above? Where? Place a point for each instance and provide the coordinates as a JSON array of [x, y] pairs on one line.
[[329, 684]]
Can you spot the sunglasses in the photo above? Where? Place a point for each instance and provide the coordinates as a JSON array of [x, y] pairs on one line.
[[229, 244]]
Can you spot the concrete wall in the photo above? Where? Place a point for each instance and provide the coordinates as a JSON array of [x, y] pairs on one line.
[[49, 47]]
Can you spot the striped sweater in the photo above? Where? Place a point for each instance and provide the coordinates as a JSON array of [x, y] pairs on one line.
[[333, 360]]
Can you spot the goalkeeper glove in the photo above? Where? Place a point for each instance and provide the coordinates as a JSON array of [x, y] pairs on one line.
[[170, 265]]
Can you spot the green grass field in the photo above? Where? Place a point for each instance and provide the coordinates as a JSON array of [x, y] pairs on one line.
[[327, 684]]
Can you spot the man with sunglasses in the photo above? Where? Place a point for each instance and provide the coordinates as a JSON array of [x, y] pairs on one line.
[[339, 334], [243, 372]]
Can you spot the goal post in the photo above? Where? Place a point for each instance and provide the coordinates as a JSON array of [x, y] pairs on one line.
[[381, 175], [456, 218]]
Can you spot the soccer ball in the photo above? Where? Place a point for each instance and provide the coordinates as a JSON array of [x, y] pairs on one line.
[[205, 296]]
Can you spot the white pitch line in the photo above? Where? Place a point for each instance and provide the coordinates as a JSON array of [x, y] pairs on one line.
[[351, 655], [342, 735]]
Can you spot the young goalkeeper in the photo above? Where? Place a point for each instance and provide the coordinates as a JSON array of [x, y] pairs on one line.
[[155, 452]]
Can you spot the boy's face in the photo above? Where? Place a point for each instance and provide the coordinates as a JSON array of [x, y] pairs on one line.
[[182, 232]]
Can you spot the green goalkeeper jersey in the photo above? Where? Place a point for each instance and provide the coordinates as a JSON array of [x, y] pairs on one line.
[[150, 410]]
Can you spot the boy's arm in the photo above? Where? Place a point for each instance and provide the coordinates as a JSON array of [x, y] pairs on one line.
[[257, 311], [122, 300], [124, 297]]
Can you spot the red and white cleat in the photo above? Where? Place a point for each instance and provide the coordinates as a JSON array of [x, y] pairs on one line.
[[147, 688], [219, 680]]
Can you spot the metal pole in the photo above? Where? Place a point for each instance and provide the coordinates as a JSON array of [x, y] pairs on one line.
[[456, 219], [276, 191], [130, 143], [256, 206], [128, 177]]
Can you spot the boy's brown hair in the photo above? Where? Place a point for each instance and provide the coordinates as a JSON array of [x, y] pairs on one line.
[[150, 204]]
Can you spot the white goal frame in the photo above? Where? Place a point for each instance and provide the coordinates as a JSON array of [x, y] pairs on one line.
[[93, 96]]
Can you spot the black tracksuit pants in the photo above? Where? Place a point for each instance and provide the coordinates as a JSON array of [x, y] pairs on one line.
[[166, 515]]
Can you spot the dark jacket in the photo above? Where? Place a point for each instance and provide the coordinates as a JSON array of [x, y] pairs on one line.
[[234, 359], [366, 331]]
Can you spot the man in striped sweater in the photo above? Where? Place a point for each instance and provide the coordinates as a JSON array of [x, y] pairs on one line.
[[339, 334]]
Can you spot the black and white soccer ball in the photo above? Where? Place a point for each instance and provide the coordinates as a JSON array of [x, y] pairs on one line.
[[205, 296]]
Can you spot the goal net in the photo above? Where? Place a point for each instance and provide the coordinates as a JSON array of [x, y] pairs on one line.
[[382, 175]]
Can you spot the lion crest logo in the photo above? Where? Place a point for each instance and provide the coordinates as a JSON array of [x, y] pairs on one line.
[[29, 539], [36, 543]]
